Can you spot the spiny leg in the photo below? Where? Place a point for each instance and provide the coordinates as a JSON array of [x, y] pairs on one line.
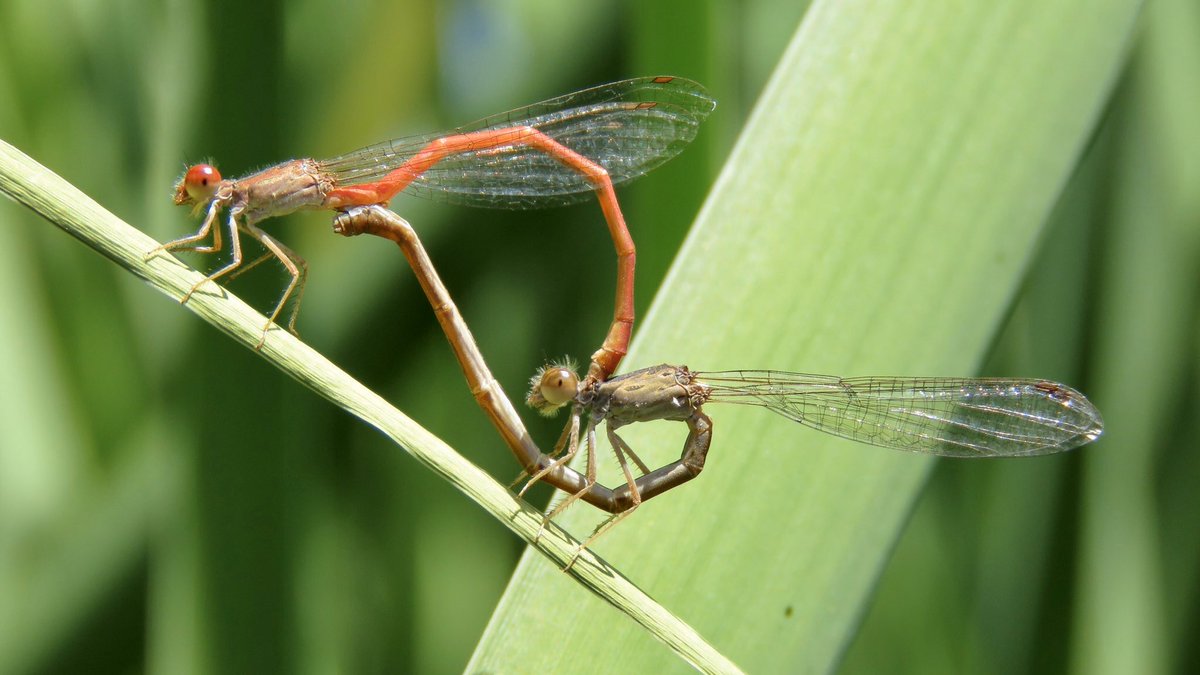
[[608, 524], [188, 243], [571, 433], [559, 446], [562, 444], [589, 478], [235, 243], [246, 267], [688, 466], [569, 439], [621, 449], [296, 266]]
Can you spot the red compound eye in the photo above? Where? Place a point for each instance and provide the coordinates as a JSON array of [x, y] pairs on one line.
[[200, 182]]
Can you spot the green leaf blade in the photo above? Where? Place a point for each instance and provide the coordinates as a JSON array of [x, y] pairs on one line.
[[876, 217]]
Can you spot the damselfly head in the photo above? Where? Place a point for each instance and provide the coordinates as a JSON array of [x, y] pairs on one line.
[[552, 386], [197, 185]]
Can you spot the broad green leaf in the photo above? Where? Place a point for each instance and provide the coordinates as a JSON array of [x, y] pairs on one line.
[[876, 217]]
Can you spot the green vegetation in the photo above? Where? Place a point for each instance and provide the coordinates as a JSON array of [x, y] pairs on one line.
[[928, 190]]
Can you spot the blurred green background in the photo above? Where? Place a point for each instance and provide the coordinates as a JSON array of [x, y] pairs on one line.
[[169, 502]]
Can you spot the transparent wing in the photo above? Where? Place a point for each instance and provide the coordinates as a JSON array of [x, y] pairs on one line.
[[953, 417], [628, 127]]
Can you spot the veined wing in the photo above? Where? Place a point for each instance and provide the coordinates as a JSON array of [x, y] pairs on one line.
[[628, 127], [953, 417]]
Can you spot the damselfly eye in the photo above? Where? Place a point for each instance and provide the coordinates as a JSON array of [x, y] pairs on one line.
[[558, 385], [199, 183]]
